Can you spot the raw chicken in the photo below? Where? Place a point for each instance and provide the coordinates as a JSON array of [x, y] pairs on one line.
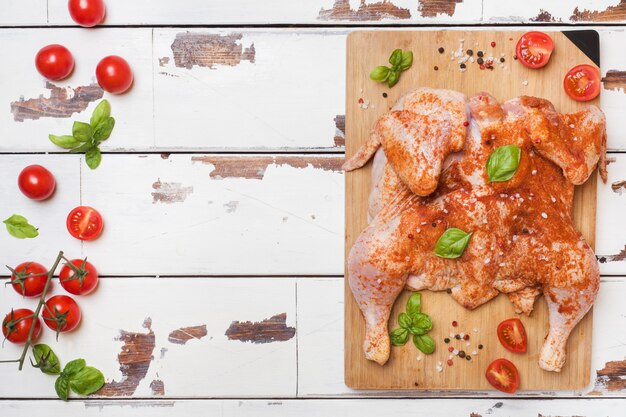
[[427, 179]]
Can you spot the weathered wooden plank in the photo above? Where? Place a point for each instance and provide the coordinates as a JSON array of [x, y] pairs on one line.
[[146, 12], [308, 408], [217, 215], [126, 332], [554, 11], [23, 12], [320, 340], [34, 108]]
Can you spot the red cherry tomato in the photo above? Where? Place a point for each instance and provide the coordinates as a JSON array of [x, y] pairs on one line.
[[61, 313], [71, 280], [54, 62], [533, 49], [503, 375], [16, 330], [85, 223], [114, 74], [86, 13], [582, 83], [29, 279], [36, 182], [512, 335]]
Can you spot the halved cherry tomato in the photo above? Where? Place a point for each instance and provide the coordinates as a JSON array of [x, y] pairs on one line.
[[36, 182], [79, 282], [61, 313], [87, 13], [54, 62], [85, 223], [582, 83], [503, 375], [15, 327], [29, 279], [512, 335], [533, 49]]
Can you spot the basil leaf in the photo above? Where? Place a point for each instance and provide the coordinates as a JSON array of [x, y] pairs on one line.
[[414, 305], [100, 113], [423, 323], [93, 157], [399, 336], [393, 78], [82, 148], [404, 321], [396, 58], [380, 74], [65, 142], [452, 243], [62, 387], [82, 131], [18, 227], [503, 163], [73, 367], [424, 343], [46, 360], [104, 129], [407, 60], [86, 381]]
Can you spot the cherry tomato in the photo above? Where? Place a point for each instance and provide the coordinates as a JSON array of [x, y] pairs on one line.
[[80, 282], [61, 313], [503, 375], [582, 83], [86, 13], [85, 223], [54, 62], [512, 335], [114, 74], [36, 182], [15, 327], [533, 49], [29, 279]]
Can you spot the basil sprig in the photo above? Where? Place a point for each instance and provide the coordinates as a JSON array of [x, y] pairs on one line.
[[503, 163], [76, 375], [86, 137], [18, 227], [400, 61], [452, 243], [414, 322]]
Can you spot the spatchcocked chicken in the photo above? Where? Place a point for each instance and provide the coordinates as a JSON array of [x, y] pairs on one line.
[[429, 175]]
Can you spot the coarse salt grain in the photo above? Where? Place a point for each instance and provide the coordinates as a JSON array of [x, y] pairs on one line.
[[474, 352], [525, 83], [452, 335], [572, 126], [544, 215], [445, 211], [455, 351], [419, 230], [575, 139], [423, 223], [534, 172], [467, 344], [487, 261], [553, 199], [419, 357], [502, 264], [475, 330]]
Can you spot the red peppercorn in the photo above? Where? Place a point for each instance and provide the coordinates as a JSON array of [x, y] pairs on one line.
[[482, 67], [450, 362], [410, 236], [455, 323], [450, 348], [466, 123], [537, 140], [493, 44], [466, 337], [361, 101]]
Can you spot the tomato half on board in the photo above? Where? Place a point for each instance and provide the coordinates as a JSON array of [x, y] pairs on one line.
[[534, 49], [503, 375], [582, 83], [85, 223], [512, 335]]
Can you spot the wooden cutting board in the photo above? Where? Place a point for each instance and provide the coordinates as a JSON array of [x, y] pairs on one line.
[[366, 50]]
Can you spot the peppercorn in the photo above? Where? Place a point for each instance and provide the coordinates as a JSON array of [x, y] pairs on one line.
[[436, 68], [462, 66], [470, 52], [468, 357], [480, 61], [385, 95], [480, 346], [502, 59], [480, 54], [515, 57], [466, 337], [450, 362], [493, 44], [461, 353], [449, 290], [446, 340], [457, 336], [441, 50], [455, 323], [434, 224]]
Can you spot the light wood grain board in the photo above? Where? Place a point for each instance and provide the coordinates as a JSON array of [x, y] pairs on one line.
[[403, 371]]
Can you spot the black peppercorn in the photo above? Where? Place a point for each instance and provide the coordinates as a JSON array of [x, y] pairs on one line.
[[461, 353], [449, 290], [468, 357], [457, 336], [502, 59], [446, 340], [385, 95], [462, 66], [470, 52], [480, 346], [441, 50], [480, 53], [436, 67], [480, 61]]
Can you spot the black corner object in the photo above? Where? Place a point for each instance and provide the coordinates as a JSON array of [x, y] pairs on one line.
[[587, 41]]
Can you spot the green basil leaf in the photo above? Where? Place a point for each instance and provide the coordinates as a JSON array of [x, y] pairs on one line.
[[414, 305], [503, 163], [393, 78], [93, 157], [452, 243], [424, 343], [407, 60], [396, 58], [18, 227], [86, 381], [404, 321], [62, 387], [82, 131], [104, 129], [380, 74], [46, 360], [73, 367], [83, 148], [65, 142], [422, 323], [100, 113], [399, 336]]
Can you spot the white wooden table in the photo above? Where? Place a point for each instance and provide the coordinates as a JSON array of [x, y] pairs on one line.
[[223, 201]]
